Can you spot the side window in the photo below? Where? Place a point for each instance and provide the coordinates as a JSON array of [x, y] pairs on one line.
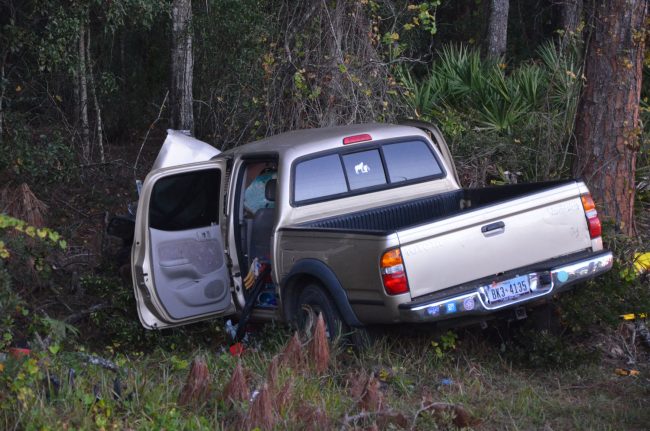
[[319, 177], [185, 201], [410, 160], [364, 169]]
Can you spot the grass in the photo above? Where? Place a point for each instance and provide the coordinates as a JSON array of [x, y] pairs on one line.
[[411, 370]]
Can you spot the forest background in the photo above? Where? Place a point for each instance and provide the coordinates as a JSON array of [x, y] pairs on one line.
[[524, 90]]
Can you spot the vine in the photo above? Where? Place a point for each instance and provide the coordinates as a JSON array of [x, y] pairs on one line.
[[43, 233]]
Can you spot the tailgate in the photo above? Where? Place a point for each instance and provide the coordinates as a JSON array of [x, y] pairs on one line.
[[494, 239]]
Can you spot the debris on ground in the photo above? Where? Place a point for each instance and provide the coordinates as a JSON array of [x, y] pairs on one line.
[[236, 349], [626, 372], [444, 412], [97, 360]]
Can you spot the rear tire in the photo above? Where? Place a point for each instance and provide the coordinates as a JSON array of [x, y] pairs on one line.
[[314, 300]]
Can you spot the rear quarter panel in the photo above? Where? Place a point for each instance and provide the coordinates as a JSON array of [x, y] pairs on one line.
[[354, 258]]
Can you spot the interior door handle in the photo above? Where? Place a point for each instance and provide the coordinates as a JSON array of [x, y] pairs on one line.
[[204, 235], [493, 228]]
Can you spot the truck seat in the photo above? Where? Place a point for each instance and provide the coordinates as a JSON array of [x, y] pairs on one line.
[[262, 229]]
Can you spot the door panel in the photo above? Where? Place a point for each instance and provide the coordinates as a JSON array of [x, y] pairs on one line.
[[180, 268], [189, 271]]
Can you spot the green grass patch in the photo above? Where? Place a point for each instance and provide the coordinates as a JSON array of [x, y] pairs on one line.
[[42, 392]]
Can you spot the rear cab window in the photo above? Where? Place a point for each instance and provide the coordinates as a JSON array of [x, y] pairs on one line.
[[351, 171], [319, 177], [364, 169]]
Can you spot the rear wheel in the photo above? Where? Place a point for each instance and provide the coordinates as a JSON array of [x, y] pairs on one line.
[[315, 300]]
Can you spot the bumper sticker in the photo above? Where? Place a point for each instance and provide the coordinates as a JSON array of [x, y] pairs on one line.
[[562, 276]]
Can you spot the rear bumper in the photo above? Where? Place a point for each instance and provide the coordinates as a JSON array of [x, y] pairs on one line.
[[474, 301]]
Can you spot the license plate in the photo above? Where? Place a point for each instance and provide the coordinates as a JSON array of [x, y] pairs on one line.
[[507, 289]]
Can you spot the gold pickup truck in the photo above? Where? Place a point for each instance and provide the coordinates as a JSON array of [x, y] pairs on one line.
[[364, 223]]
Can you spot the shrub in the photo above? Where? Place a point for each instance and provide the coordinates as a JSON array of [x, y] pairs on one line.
[[24, 251], [10, 305], [620, 291], [33, 157], [520, 119], [532, 348]]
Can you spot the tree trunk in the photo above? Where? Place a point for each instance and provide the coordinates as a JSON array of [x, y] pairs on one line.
[[335, 14], [98, 110], [571, 12], [331, 66], [497, 28], [3, 87], [607, 123], [569, 19], [182, 114], [83, 95]]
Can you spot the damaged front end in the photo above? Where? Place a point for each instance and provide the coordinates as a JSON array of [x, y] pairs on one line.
[[178, 149]]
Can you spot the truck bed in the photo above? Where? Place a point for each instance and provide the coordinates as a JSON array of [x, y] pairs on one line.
[[464, 235], [399, 216]]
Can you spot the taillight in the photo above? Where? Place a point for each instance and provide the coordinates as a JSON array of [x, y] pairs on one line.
[[593, 222], [392, 272], [356, 138]]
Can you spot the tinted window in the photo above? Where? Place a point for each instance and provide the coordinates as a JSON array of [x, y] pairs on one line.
[[410, 160], [319, 177], [364, 169], [185, 201]]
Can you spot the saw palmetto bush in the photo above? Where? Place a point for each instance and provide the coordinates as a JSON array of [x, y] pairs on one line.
[[519, 117]]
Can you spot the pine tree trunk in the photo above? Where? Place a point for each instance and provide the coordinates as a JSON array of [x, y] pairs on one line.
[[182, 114], [607, 123], [497, 28], [83, 95]]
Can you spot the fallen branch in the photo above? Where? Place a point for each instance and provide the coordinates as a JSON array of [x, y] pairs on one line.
[[78, 211], [73, 318], [396, 418], [457, 413], [102, 362], [104, 163], [643, 332], [144, 141]]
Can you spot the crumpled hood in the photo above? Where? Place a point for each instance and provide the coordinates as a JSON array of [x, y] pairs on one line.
[[181, 149]]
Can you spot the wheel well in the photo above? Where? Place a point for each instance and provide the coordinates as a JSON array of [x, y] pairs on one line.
[[314, 271]]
